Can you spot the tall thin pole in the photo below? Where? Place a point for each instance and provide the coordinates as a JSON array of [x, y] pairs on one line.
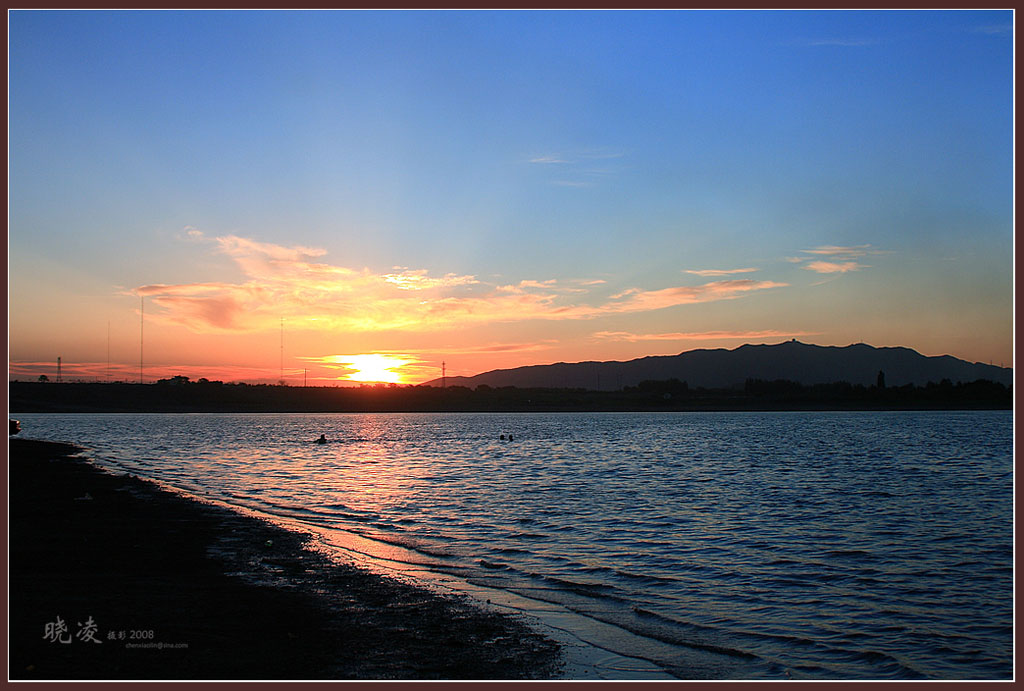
[[108, 350], [442, 375], [58, 369], [142, 322], [281, 378], [303, 377]]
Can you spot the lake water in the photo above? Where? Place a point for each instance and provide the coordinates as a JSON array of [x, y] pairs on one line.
[[855, 545]]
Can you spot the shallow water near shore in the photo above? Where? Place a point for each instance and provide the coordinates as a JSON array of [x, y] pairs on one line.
[[868, 545]]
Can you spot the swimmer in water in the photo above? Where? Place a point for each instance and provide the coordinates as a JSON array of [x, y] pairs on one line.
[[322, 439]]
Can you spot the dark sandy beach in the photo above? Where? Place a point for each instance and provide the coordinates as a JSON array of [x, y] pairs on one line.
[[111, 577]]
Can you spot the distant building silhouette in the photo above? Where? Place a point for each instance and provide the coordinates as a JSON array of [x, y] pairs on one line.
[[881, 379]]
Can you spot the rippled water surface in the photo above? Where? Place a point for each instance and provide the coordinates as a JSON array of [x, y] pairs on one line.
[[821, 545]]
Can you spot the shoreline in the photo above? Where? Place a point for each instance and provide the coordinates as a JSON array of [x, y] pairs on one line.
[[173, 588]]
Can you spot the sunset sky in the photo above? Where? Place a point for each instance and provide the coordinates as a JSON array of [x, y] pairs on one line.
[[496, 189]]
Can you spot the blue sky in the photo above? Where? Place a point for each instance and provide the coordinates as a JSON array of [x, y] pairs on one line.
[[624, 147]]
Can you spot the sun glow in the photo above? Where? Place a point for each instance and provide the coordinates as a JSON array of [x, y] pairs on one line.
[[372, 367]]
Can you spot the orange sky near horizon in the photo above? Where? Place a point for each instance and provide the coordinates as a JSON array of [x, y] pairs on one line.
[[292, 316]]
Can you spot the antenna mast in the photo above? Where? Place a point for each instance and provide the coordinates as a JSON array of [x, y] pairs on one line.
[[108, 350], [58, 369], [442, 375], [281, 378], [142, 322]]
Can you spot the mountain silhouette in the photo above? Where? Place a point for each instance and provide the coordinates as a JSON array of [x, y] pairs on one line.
[[718, 368]]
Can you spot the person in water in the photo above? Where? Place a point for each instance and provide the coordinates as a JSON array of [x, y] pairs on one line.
[[322, 439]]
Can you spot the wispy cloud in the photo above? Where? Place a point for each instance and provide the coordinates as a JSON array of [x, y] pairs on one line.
[[993, 29], [599, 154], [699, 335], [548, 159], [510, 347], [420, 280], [286, 281], [849, 251], [718, 272], [577, 168], [835, 267], [635, 300], [192, 234], [431, 354], [543, 285], [840, 258], [841, 42]]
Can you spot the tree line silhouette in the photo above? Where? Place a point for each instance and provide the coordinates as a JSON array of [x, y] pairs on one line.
[[181, 394]]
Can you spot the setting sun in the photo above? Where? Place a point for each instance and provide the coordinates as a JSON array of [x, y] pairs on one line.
[[372, 367]]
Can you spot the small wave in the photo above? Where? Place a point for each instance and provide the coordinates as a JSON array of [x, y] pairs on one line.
[[577, 585], [406, 542], [643, 577], [596, 591], [848, 553], [784, 562], [884, 661], [298, 510], [667, 635], [789, 640]]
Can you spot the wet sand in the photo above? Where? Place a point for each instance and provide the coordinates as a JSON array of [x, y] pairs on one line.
[[111, 577]]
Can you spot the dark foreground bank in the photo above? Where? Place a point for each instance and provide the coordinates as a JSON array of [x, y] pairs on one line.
[[113, 578]]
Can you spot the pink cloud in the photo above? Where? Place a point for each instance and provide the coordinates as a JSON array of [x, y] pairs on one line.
[[219, 312], [286, 282], [718, 272], [835, 267], [840, 251], [635, 300], [699, 335], [420, 280]]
